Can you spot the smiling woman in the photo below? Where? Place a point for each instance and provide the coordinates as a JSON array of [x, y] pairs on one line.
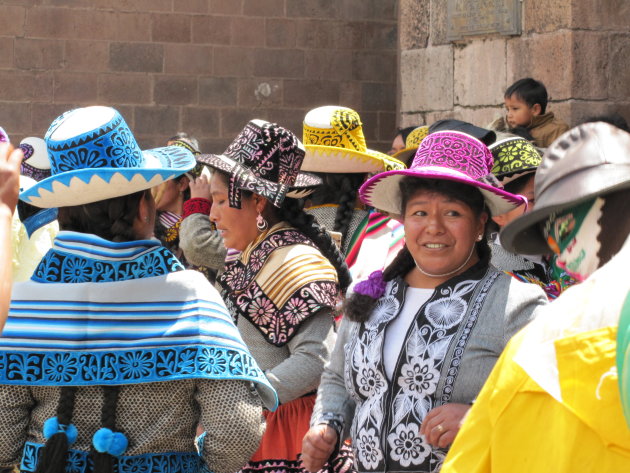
[[418, 340]]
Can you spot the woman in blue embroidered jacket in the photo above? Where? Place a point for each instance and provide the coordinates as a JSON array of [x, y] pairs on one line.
[[283, 288], [418, 340], [113, 353]]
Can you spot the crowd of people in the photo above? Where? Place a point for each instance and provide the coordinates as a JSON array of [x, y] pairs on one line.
[[458, 304]]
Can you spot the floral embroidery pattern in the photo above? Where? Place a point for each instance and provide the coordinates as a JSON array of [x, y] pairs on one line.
[[407, 446]]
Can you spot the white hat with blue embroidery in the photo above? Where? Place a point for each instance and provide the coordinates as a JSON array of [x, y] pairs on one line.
[[94, 156]]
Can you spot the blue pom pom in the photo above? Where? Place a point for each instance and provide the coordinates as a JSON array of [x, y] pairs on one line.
[[51, 427], [72, 433], [102, 439], [118, 445]]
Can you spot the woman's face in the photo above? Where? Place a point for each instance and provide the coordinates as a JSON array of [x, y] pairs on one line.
[[236, 226], [528, 191], [441, 232], [169, 196], [397, 145]]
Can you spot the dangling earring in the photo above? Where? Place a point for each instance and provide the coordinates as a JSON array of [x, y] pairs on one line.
[[261, 223], [479, 238]]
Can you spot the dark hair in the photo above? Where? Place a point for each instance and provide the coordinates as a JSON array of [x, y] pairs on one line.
[[518, 184], [404, 132], [185, 137], [104, 462], [53, 456], [613, 119], [111, 219], [530, 91], [614, 224], [358, 307], [341, 189]]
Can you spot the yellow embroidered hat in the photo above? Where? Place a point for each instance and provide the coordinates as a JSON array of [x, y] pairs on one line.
[[334, 142], [414, 138]]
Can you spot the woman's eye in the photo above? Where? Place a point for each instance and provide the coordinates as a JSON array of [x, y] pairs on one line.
[[453, 213]]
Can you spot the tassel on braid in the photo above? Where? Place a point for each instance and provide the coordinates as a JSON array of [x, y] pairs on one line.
[[54, 454], [104, 462]]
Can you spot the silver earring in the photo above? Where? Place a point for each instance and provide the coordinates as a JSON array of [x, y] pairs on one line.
[[261, 223], [480, 237]]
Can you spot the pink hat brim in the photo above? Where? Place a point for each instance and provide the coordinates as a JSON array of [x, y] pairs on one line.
[[383, 190]]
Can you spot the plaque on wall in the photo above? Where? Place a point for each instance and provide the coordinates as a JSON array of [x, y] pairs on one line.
[[479, 17]]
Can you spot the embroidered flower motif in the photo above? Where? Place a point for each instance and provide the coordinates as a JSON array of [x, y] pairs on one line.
[[76, 462], [407, 446], [152, 265], [370, 382], [260, 310], [447, 312], [297, 310], [79, 159], [60, 367], [75, 270], [136, 465], [384, 310], [136, 364], [419, 377], [212, 360], [368, 449]]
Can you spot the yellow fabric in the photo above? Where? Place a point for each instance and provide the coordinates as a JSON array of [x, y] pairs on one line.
[[515, 426], [346, 132], [28, 252]]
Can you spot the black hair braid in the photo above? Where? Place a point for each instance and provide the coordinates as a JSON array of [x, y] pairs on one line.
[[111, 219], [53, 456], [292, 212], [345, 209], [358, 307], [104, 462]]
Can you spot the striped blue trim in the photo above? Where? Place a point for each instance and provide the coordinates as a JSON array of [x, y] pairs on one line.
[[38, 220], [79, 462]]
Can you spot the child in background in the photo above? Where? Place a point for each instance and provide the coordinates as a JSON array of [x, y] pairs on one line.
[[526, 105]]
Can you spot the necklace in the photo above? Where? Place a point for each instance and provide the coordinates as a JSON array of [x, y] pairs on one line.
[[449, 273]]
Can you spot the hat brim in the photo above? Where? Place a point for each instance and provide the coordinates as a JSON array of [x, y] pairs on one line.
[[383, 190], [330, 159], [305, 185], [404, 154], [87, 185], [507, 177], [523, 235]]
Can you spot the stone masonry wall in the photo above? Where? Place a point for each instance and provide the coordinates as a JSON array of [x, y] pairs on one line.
[[201, 66], [578, 48]]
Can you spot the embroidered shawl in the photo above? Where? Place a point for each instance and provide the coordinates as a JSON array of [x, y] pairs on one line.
[[278, 282], [97, 312]]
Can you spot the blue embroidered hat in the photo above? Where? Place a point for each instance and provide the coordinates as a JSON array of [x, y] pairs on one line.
[[94, 156]]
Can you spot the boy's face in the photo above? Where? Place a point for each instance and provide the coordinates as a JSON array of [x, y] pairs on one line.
[[519, 113]]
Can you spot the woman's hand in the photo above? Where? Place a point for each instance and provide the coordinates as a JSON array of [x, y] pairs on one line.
[[441, 424], [317, 446], [200, 188]]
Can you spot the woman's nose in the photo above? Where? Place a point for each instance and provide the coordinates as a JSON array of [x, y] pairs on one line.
[[435, 225]]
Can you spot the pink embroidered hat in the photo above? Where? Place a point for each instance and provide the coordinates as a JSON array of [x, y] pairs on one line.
[[449, 155]]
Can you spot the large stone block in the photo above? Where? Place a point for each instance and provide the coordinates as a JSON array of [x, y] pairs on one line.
[[171, 28], [188, 59], [378, 96], [157, 120], [577, 112], [217, 91], [256, 93], [69, 23], [233, 61], [350, 94], [15, 118], [25, 86], [414, 23], [312, 8], [282, 63], [479, 72], [12, 21], [619, 67], [6, 53], [133, 26], [143, 5], [212, 29], [226, 7], [191, 6], [480, 116], [201, 122], [591, 64], [604, 15], [375, 67], [173, 90], [548, 58], [248, 31], [289, 118], [124, 88], [234, 119], [266, 8], [280, 33], [426, 79], [136, 57], [386, 127], [76, 87], [381, 35], [438, 27], [89, 56], [310, 93], [367, 9], [545, 16], [328, 64], [38, 53]]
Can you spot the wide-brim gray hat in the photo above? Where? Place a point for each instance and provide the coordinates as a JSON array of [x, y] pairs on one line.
[[588, 161]]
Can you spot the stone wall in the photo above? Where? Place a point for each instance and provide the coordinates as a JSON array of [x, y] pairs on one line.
[[578, 48], [201, 66]]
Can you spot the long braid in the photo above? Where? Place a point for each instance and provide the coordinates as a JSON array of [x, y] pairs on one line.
[[358, 307], [104, 462], [53, 458], [292, 211], [346, 203]]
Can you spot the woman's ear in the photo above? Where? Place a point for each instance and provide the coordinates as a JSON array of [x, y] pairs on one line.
[[183, 184], [260, 203], [500, 220]]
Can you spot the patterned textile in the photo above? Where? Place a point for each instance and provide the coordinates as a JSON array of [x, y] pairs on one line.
[[196, 205], [264, 158], [389, 413], [123, 333], [279, 281], [514, 155]]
